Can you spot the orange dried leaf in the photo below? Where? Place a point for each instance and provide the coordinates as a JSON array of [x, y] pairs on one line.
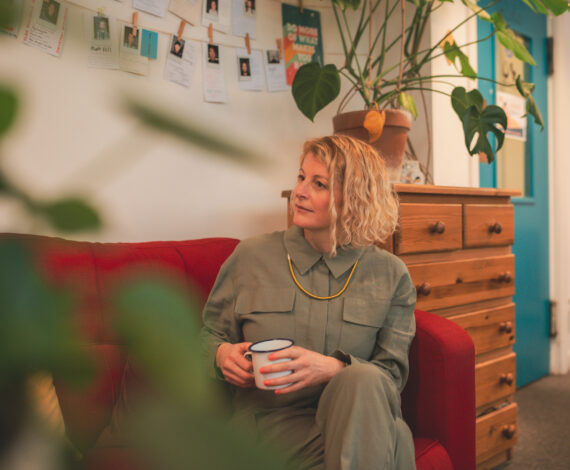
[[449, 39], [374, 124]]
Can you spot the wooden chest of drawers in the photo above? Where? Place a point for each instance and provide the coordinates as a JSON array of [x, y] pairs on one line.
[[456, 243]]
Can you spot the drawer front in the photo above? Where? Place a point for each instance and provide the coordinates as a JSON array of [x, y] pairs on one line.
[[489, 329], [452, 283], [496, 432], [488, 225], [429, 227], [494, 379]]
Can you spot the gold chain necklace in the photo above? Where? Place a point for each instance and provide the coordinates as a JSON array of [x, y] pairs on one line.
[[318, 297]]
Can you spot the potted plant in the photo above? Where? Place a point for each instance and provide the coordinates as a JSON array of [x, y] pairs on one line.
[[385, 85]]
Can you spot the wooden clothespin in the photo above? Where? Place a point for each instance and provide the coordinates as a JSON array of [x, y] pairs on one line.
[[135, 21], [301, 8], [247, 44], [181, 30], [279, 43], [211, 33]]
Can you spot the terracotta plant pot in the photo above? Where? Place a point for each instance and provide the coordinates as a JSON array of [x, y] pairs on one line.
[[392, 143]]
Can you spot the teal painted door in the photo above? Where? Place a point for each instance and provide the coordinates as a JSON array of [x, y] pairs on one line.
[[524, 165]]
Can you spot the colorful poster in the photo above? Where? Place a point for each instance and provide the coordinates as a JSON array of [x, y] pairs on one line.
[[302, 39], [515, 109]]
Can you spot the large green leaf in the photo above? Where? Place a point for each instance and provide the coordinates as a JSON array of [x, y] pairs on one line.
[[408, 103], [315, 87], [508, 38], [70, 214], [557, 7], [478, 10], [461, 101], [452, 52], [526, 89], [8, 108], [476, 126]]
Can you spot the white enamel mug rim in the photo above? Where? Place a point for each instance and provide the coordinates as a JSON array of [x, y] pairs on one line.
[[252, 346]]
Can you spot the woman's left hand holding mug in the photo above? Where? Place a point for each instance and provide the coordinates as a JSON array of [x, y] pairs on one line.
[[309, 368], [236, 368]]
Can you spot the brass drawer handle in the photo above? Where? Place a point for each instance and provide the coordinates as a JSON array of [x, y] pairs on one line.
[[437, 227], [506, 379], [506, 327], [509, 430], [505, 277], [423, 289], [495, 228]]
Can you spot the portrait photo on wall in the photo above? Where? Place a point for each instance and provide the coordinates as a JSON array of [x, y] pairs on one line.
[[249, 7], [101, 28], [273, 56], [177, 47], [244, 68], [211, 7], [50, 11], [131, 37], [213, 57]]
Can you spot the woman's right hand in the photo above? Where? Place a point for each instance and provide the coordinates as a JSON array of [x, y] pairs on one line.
[[236, 369]]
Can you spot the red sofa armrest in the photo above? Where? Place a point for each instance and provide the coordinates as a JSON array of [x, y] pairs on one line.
[[439, 399]]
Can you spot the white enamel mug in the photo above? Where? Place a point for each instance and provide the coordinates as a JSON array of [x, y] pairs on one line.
[[259, 353]]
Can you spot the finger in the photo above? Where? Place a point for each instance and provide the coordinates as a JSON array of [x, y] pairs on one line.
[[286, 379], [292, 353], [280, 367], [244, 346], [243, 363], [292, 388], [236, 370]]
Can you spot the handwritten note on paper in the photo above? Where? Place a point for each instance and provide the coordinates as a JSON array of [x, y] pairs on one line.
[[243, 18], [154, 7], [213, 79], [180, 61], [275, 71], [45, 25], [130, 59], [218, 13], [250, 69], [101, 41]]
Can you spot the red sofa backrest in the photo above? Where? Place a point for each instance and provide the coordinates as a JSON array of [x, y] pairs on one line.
[[91, 271]]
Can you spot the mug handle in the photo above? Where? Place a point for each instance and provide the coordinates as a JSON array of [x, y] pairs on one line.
[[248, 355]]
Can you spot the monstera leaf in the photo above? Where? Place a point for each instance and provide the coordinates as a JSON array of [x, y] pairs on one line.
[[508, 38], [478, 120], [452, 53], [315, 87]]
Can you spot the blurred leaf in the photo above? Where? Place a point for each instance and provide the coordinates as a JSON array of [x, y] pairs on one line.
[[36, 331], [407, 102], [8, 12], [158, 324], [557, 7], [461, 101], [452, 53], [70, 215], [508, 38], [478, 10], [215, 142], [315, 87], [8, 108], [374, 124], [526, 89]]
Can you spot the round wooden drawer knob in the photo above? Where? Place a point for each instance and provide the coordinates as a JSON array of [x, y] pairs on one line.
[[507, 379], [438, 227], [423, 289], [506, 327], [505, 277], [495, 228], [509, 430]]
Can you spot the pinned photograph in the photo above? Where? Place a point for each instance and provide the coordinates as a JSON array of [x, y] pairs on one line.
[[131, 38], [273, 57], [249, 7], [244, 68], [50, 11], [213, 57], [177, 47], [101, 28], [211, 9]]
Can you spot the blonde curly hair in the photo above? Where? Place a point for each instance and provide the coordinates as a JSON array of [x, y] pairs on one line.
[[369, 209]]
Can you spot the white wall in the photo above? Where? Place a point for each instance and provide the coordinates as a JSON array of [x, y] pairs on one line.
[[559, 117]]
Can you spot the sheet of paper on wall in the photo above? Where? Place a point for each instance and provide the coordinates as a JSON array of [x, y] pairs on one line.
[[213, 79], [275, 71], [188, 10], [181, 61], [250, 69], [243, 17], [217, 12], [45, 25], [130, 59], [12, 28], [101, 40], [515, 109], [154, 7], [149, 44]]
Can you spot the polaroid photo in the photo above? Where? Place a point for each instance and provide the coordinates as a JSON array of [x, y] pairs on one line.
[[244, 68], [49, 13], [211, 9], [213, 56], [177, 47], [101, 31], [249, 7], [273, 56], [130, 38]]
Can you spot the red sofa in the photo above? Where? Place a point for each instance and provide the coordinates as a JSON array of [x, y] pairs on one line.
[[438, 402]]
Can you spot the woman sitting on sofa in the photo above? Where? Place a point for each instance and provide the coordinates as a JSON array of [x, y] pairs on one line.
[[347, 304]]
